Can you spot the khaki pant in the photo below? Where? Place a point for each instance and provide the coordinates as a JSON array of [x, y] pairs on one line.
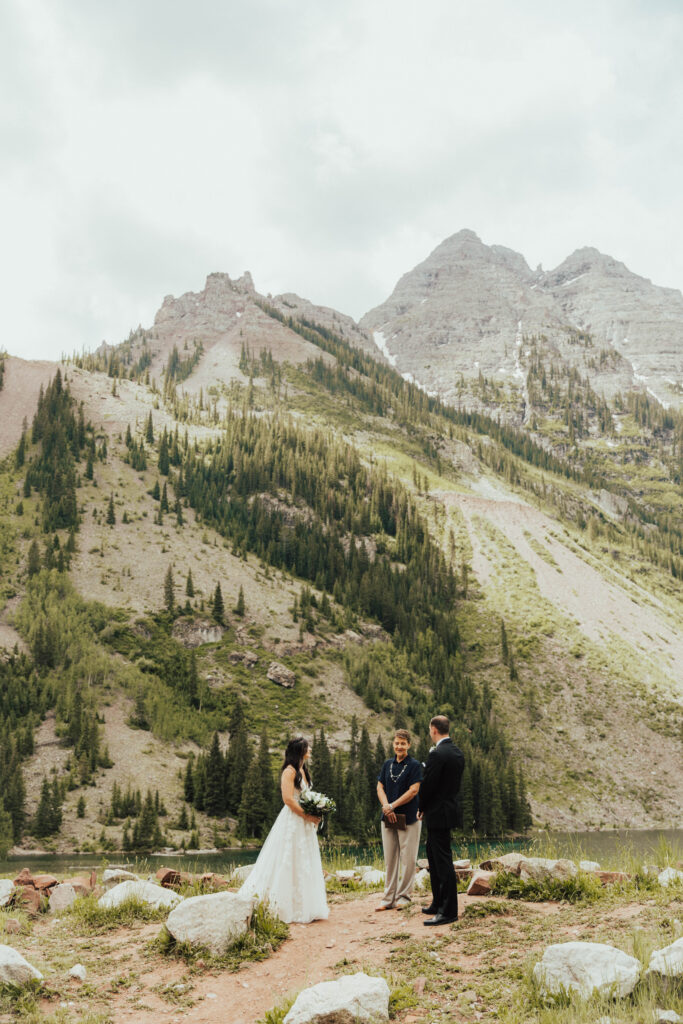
[[400, 854]]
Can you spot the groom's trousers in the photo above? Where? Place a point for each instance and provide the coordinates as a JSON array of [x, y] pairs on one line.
[[400, 861], [441, 872]]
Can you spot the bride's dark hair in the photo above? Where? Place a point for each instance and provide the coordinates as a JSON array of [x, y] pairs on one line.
[[294, 755]]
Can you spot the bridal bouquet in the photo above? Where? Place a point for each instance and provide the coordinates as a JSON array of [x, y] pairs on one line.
[[317, 804]]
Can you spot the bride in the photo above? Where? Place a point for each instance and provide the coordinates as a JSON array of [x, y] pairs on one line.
[[288, 871]]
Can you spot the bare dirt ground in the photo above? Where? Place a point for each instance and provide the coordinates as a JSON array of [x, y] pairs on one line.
[[354, 938], [19, 396]]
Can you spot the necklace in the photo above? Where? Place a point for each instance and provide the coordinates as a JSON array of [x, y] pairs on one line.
[[395, 778]]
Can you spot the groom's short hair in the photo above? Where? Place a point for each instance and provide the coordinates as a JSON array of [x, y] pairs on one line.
[[441, 724], [402, 734]]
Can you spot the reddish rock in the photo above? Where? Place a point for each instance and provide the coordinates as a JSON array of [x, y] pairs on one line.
[[610, 877], [169, 878], [12, 927], [463, 873], [480, 884], [44, 882], [24, 878], [27, 899], [84, 884]]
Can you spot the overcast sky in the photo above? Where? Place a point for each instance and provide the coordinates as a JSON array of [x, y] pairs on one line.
[[326, 147]]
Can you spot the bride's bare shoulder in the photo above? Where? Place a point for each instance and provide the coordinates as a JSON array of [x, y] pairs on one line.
[[289, 771]]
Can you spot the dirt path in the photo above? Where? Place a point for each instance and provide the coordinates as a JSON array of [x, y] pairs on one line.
[[354, 933]]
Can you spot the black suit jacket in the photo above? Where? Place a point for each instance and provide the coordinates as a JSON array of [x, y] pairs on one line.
[[440, 784]]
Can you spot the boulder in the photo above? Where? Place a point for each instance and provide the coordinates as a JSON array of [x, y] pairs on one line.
[[215, 921], [24, 878], [14, 970], [114, 876], [461, 873], [423, 864], [669, 875], [62, 896], [44, 882], [422, 879], [481, 883], [209, 880], [78, 971], [356, 997], [12, 927], [589, 865], [28, 899], [345, 874], [83, 884], [6, 890], [168, 878], [250, 659], [538, 869], [585, 968], [611, 877], [145, 892], [460, 865], [508, 862], [374, 877], [281, 675], [668, 962], [667, 1017]]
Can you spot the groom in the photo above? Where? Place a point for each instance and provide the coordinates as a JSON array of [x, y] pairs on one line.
[[437, 798]]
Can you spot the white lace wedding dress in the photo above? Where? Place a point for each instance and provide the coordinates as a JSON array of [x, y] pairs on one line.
[[289, 872]]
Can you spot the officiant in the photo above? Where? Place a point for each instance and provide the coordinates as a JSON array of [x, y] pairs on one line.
[[398, 785]]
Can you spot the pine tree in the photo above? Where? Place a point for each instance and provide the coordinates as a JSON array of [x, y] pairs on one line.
[[322, 762], [42, 825], [149, 432], [188, 780], [218, 607], [34, 558], [503, 642], [80, 807], [169, 596], [164, 498], [252, 808], [164, 461], [214, 799], [239, 608], [6, 830], [189, 585], [111, 515]]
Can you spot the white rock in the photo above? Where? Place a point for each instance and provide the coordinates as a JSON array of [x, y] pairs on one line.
[[669, 875], [113, 876], [215, 921], [462, 864], [154, 895], [668, 961], [358, 996], [667, 1017], [14, 970], [374, 877], [538, 869], [360, 869], [61, 897], [78, 971], [345, 874], [241, 873], [6, 890], [585, 968], [589, 865], [422, 879]]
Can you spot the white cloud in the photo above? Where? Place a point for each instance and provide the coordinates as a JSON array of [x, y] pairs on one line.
[[327, 149]]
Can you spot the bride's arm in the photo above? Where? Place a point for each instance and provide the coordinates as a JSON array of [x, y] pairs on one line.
[[288, 798]]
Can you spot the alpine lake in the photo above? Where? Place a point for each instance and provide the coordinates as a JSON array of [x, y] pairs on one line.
[[609, 848]]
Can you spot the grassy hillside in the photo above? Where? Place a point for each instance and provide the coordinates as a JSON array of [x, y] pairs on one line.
[[399, 557]]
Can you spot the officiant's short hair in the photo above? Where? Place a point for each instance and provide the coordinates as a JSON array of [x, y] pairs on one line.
[[402, 734], [441, 724]]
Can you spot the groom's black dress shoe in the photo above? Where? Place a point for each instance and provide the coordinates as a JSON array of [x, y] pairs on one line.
[[429, 910], [440, 919]]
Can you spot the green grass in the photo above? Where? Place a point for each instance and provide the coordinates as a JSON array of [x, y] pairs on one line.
[[88, 918]]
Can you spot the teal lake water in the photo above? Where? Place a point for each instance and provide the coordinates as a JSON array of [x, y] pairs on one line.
[[605, 847]]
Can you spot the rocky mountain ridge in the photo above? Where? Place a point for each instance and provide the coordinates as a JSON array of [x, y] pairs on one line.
[[469, 307]]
